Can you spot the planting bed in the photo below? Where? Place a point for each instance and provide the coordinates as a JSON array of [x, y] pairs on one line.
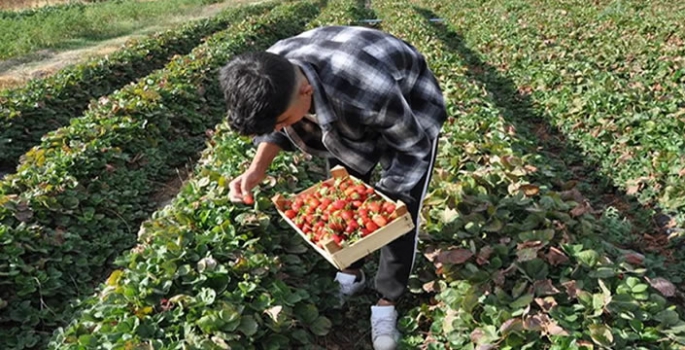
[[77, 199], [512, 254], [43, 105]]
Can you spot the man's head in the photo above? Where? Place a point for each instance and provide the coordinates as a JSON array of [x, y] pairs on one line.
[[263, 92]]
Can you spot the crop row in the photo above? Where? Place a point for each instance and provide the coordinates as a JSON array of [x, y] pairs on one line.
[[609, 76], [76, 200], [516, 264], [30, 111], [211, 274], [39, 11]]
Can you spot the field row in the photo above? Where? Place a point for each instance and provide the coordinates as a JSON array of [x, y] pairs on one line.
[[511, 257], [76, 201], [515, 262], [610, 77], [43, 105], [62, 26], [210, 274]]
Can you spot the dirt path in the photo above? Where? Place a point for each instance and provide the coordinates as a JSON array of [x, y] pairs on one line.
[[17, 71]]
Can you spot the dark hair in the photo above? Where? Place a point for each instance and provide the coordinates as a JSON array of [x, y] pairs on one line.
[[257, 87]]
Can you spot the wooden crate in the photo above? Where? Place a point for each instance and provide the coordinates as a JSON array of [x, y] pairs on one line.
[[339, 257]]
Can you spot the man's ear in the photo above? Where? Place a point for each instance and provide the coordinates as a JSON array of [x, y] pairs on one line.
[[306, 88]]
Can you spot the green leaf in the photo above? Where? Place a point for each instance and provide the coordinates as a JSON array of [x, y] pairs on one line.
[[493, 226], [639, 288], [248, 326], [601, 334], [589, 258], [207, 296], [307, 313], [321, 326], [602, 273], [523, 301], [667, 318]]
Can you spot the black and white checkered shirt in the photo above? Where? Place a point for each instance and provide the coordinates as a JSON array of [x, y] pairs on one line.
[[375, 101]]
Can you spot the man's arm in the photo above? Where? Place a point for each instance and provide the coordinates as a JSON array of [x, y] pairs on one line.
[[266, 152]]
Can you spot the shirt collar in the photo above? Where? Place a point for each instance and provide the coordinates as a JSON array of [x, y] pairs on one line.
[[324, 113]]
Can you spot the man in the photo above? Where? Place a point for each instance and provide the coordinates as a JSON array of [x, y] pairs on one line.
[[357, 97]]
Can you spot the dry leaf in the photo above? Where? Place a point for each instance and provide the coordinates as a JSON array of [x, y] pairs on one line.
[[552, 328], [556, 257], [511, 325], [634, 258], [274, 311], [546, 304], [580, 209], [529, 244], [571, 289], [24, 215], [485, 347], [545, 287], [533, 323], [477, 335], [530, 190], [455, 256], [586, 344], [431, 287], [484, 255], [511, 130], [530, 168], [527, 254], [663, 285], [499, 278], [431, 253]]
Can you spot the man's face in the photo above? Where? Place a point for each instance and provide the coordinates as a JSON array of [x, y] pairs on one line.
[[298, 107]]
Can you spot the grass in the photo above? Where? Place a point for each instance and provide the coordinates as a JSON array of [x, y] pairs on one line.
[[78, 26], [25, 4]]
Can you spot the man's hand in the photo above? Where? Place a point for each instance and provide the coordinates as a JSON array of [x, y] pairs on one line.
[[241, 187]]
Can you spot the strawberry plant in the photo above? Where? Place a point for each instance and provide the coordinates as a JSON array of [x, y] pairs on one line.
[[225, 276], [211, 274], [610, 76], [510, 263], [342, 209], [28, 112], [74, 202]]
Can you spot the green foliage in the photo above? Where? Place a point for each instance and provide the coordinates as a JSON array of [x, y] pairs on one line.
[[76, 200], [63, 25], [511, 263], [28, 112], [211, 274], [608, 75]]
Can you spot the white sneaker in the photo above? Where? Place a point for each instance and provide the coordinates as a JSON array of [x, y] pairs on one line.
[[384, 331], [348, 286]]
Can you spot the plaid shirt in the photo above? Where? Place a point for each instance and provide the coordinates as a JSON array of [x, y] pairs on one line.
[[375, 100]]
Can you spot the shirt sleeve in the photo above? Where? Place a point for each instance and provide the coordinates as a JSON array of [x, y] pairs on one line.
[[410, 145], [277, 137]]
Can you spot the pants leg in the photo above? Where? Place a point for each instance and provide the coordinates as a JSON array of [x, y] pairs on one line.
[[397, 258], [332, 162]]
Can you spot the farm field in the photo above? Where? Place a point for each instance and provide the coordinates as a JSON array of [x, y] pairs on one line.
[[554, 218], [30, 111], [77, 24]]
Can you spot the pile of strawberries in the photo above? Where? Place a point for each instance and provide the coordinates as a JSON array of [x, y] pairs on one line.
[[344, 209]]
